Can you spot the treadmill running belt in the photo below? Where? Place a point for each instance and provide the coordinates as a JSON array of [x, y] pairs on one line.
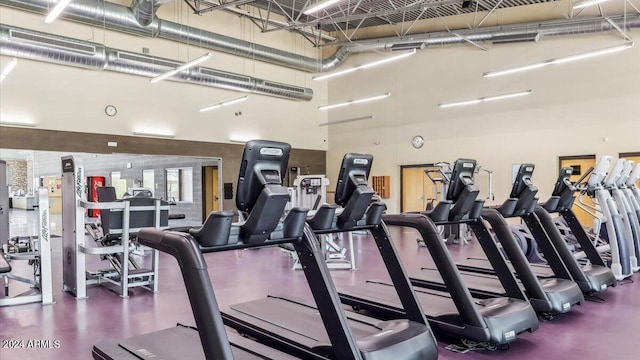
[[296, 321], [480, 282], [181, 342], [540, 270], [434, 303]]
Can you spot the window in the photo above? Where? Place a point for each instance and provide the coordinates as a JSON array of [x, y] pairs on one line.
[[180, 184], [148, 179], [118, 183]]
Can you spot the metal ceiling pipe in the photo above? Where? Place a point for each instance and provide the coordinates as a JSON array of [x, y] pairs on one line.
[[117, 17], [145, 10], [121, 18], [29, 44], [546, 28]]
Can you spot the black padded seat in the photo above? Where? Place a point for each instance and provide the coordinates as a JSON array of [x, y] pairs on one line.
[[112, 220]]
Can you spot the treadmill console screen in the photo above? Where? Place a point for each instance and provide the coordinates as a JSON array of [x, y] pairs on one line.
[[600, 172], [461, 176], [563, 181], [354, 172], [263, 162], [523, 180]]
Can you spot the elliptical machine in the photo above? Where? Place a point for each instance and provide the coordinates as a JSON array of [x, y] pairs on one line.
[[608, 214]]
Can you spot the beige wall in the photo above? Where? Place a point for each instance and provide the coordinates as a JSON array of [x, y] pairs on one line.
[[572, 109], [71, 99]]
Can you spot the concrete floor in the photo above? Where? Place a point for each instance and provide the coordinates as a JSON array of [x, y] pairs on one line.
[[592, 331]]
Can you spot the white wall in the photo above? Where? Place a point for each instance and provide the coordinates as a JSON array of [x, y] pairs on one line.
[[63, 98], [572, 109]]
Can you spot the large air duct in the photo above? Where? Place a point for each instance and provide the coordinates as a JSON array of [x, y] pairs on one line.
[[60, 50], [121, 18], [145, 10], [540, 29]]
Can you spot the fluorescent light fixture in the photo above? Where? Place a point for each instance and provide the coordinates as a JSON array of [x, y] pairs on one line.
[[56, 11], [560, 60], [486, 98], [365, 66], [320, 5], [8, 68], [507, 96], [224, 103], [153, 134], [460, 103], [17, 123], [608, 50], [347, 120], [351, 102], [515, 69], [182, 67], [586, 3]]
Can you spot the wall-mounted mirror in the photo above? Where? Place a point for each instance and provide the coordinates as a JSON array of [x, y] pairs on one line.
[[194, 182], [179, 184]]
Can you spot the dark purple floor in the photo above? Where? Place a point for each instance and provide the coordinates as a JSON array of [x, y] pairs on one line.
[[591, 331]]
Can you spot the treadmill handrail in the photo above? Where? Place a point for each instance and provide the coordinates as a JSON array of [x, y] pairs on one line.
[[516, 256], [184, 248], [448, 271], [326, 297], [398, 274]]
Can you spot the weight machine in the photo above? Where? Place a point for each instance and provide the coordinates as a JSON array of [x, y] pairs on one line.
[[125, 218], [34, 249], [310, 192]]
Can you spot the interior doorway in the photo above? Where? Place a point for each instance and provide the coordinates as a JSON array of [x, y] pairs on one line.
[[210, 190], [580, 164], [416, 188]]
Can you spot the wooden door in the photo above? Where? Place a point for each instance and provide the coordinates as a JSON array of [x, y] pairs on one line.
[[416, 188], [210, 190], [215, 184], [580, 164]]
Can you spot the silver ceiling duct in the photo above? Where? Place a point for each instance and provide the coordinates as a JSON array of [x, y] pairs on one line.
[[60, 50], [121, 18], [522, 31], [145, 10]]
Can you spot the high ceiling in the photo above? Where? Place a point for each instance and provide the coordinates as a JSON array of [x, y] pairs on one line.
[[353, 14], [352, 20]]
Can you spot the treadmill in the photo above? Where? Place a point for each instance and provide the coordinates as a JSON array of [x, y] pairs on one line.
[[260, 193], [323, 330], [548, 296], [259, 189], [453, 311], [592, 278]]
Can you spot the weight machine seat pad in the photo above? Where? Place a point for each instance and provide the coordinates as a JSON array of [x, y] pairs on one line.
[[5, 267]]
